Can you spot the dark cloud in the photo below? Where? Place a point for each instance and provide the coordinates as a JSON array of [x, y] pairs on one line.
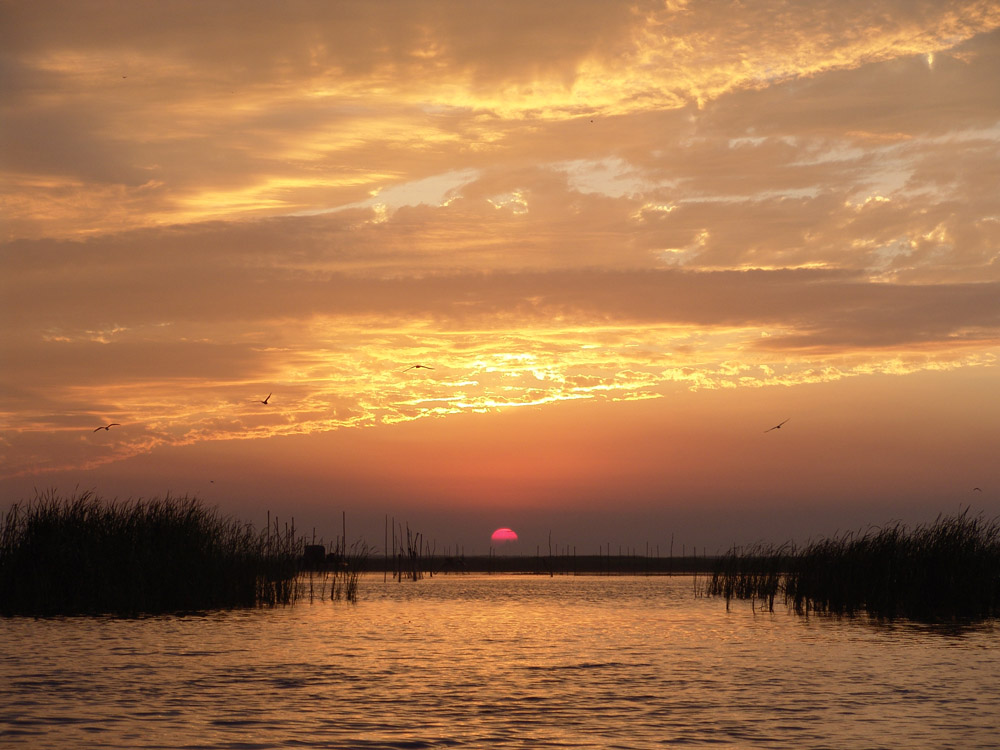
[[215, 280], [255, 39], [903, 96], [40, 365]]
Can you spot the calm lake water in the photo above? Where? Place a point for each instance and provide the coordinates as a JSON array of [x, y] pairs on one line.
[[482, 662]]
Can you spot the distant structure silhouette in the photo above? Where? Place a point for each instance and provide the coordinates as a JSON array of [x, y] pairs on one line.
[[267, 399], [777, 426], [418, 367], [108, 427]]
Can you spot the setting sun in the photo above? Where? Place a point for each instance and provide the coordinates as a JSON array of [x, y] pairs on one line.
[[502, 536]]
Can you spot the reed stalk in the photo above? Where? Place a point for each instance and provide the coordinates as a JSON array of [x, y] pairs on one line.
[[947, 570], [348, 565], [86, 555]]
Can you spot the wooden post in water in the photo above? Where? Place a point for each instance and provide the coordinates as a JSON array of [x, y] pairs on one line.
[[695, 570], [551, 561]]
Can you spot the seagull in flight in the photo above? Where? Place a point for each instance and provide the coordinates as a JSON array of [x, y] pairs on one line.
[[777, 426], [267, 399], [108, 427], [417, 367]]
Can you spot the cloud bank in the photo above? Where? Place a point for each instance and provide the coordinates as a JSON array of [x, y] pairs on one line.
[[204, 203]]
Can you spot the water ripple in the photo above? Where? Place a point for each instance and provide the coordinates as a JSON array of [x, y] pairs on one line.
[[471, 662]]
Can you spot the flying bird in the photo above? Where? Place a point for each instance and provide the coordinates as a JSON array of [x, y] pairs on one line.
[[777, 426], [976, 489], [108, 427], [417, 367], [267, 399]]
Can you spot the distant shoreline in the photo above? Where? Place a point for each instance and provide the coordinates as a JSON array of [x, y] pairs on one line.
[[555, 565]]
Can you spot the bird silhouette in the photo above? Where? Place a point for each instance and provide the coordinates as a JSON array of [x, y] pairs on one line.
[[416, 367], [777, 426], [976, 489], [267, 399], [108, 427]]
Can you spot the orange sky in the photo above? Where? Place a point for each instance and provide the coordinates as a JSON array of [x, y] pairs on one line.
[[626, 237]]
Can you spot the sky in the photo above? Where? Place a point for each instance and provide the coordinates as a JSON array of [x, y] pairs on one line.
[[623, 240]]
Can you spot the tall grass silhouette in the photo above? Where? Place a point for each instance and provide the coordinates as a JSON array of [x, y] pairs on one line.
[[946, 570], [85, 555]]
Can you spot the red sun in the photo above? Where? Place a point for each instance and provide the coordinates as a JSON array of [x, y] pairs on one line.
[[503, 535]]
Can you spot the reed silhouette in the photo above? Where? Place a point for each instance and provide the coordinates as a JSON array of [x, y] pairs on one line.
[[411, 554], [944, 571], [341, 568], [85, 555]]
